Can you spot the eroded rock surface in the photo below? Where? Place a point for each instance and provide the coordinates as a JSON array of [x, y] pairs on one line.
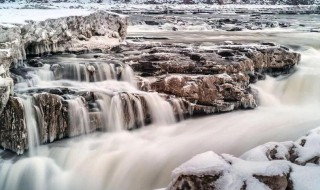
[[210, 80], [13, 131]]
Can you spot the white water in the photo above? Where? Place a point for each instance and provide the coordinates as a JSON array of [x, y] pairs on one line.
[[78, 117], [143, 159], [31, 123]]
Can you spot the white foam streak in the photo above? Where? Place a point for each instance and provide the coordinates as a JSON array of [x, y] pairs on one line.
[[31, 123]]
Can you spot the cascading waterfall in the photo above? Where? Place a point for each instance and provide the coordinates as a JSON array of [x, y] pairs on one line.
[[116, 116], [161, 111], [120, 104], [92, 71], [31, 123], [143, 159], [78, 117], [127, 75], [301, 89], [179, 108]]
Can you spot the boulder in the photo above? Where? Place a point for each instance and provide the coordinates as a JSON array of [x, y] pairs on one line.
[[285, 166], [13, 131]]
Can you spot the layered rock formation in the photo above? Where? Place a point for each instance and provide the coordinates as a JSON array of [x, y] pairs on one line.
[[194, 81], [96, 32], [208, 81], [285, 165]]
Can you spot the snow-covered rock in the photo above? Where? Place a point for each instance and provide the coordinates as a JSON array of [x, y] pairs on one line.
[[97, 31], [276, 166]]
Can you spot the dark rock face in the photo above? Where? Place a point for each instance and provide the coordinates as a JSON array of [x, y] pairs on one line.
[[274, 182], [52, 117], [35, 63], [13, 131], [193, 182], [50, 114]]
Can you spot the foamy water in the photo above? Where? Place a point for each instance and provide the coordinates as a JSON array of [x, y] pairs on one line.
[[144, 159]]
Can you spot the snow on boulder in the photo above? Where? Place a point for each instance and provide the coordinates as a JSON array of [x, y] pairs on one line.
[[276, 166]]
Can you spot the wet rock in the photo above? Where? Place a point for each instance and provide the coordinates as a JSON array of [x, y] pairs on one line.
[[151, 22], [52, 117], [315, 30], [35, 63], [234, 29], [13, 132]]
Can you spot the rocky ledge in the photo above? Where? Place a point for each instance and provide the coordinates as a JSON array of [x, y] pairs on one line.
[[276, 166], [210, 80], [100, 30], [193, 81]]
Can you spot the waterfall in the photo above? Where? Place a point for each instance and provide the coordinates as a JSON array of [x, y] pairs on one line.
[[31, 123], [78, 117], [121, 112], [75, 71], [44, 73], [128, 75], [116, 115], [143, 159], [299, 89], [178, 106], [35, 173], [161, 110]]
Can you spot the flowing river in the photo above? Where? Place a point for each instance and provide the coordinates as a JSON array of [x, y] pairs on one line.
[[143, 159]]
